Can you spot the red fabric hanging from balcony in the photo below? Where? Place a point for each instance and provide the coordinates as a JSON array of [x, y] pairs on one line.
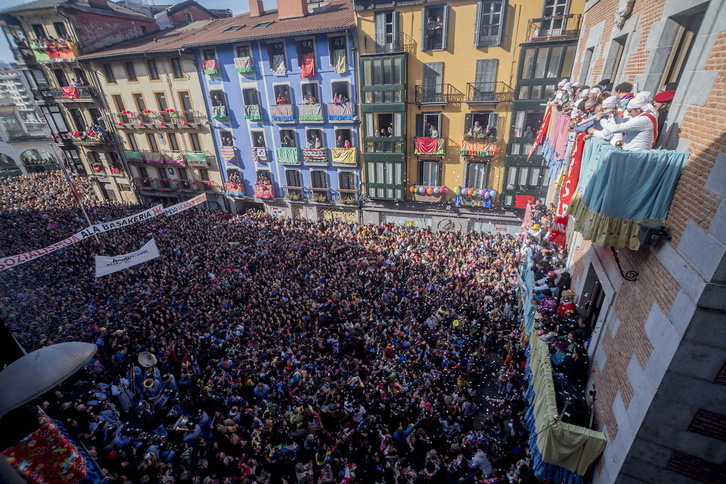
[[70, 92]]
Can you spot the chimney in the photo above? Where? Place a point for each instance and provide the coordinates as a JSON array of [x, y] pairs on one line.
[[291, 9], [256, 8]]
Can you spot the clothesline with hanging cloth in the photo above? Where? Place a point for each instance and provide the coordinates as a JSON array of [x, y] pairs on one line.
[[617, 189], [341, 112], [316, 156], [228, 153], [282, 112], [311, 112], [210, 67], [480, 148], [344, 156], [430, 146], [244, 65], [307, 67]]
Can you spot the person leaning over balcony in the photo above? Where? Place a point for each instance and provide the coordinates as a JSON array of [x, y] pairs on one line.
[[641, 130]]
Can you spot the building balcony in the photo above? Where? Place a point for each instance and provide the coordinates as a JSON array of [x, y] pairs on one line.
[[310, 113], [97, 139], [320, 195], [198, 158], [244, 65], [165, 157], [344, 156], [282, 113], [315, 156], [429, 146], [294, 194], [260, 155], [145, 184], [383, 144], [234, 189], [428, 194], [220, 113], [558, 27], [265, 191], [64, 94], [348, 196], [288, 155], [478, 148], [393, 43], [47, 52], [188, 186], [488, 92], [603, 214], [341, 112], [253, 112], [437, 94]]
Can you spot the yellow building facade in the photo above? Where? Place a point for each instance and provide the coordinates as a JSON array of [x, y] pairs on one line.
[[158, 111]]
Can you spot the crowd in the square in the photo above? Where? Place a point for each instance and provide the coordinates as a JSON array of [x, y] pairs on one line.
[[275, 350]]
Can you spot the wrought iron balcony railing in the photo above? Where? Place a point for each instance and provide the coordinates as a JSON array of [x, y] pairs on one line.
[[558, 27], [488, 92], [437, 94], [396, 42]]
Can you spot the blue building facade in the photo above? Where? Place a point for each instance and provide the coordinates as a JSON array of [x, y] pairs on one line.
[[283, 112]]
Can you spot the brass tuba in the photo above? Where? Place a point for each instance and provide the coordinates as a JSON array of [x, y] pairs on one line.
[[148, 383]]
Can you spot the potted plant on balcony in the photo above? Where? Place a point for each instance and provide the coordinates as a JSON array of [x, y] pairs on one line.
[[320, 197], [347, 198], [294, 196]]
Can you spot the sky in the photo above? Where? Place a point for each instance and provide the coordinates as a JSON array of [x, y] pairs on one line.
[[237, 7]]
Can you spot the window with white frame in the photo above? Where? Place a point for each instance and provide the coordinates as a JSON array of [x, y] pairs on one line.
[[490, 22], [428, 125], [434, 27], [244, 51], [209, 54], [293, 178], [282, 93], [258, 138], [477, 174], [429, 172], [341, 136], [250, 97], [276, 51], [341, 91]]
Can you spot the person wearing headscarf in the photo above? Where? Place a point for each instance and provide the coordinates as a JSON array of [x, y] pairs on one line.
[[641, 130], [608, 113]]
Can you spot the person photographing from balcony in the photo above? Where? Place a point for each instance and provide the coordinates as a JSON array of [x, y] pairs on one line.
[[624, 93], [639, 131]]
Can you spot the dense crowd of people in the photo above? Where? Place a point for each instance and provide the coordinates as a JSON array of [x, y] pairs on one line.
[[276, 350]]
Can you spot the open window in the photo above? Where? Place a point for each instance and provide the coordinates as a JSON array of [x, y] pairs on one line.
[[680, 33], [217, 96], [278, 63], [305, 50], [250, 97], [314, 138], [258, 138], [346, 180], [341, 91], [287, 138], [343, 135], [429, 173], [434, 27], [244, 51], [209, 54], [226, 138], [428, 125], [338, 53], [490, 21], [311, 94], [282, 93], [388, 33], [481, 124]]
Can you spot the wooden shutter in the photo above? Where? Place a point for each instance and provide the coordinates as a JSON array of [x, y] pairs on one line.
[[494, 120], [467, 123], [486, 71], [420, 129], [502, 22], [445, 29], [432, 79], [477, 24], [423, 41], [380, 26]]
